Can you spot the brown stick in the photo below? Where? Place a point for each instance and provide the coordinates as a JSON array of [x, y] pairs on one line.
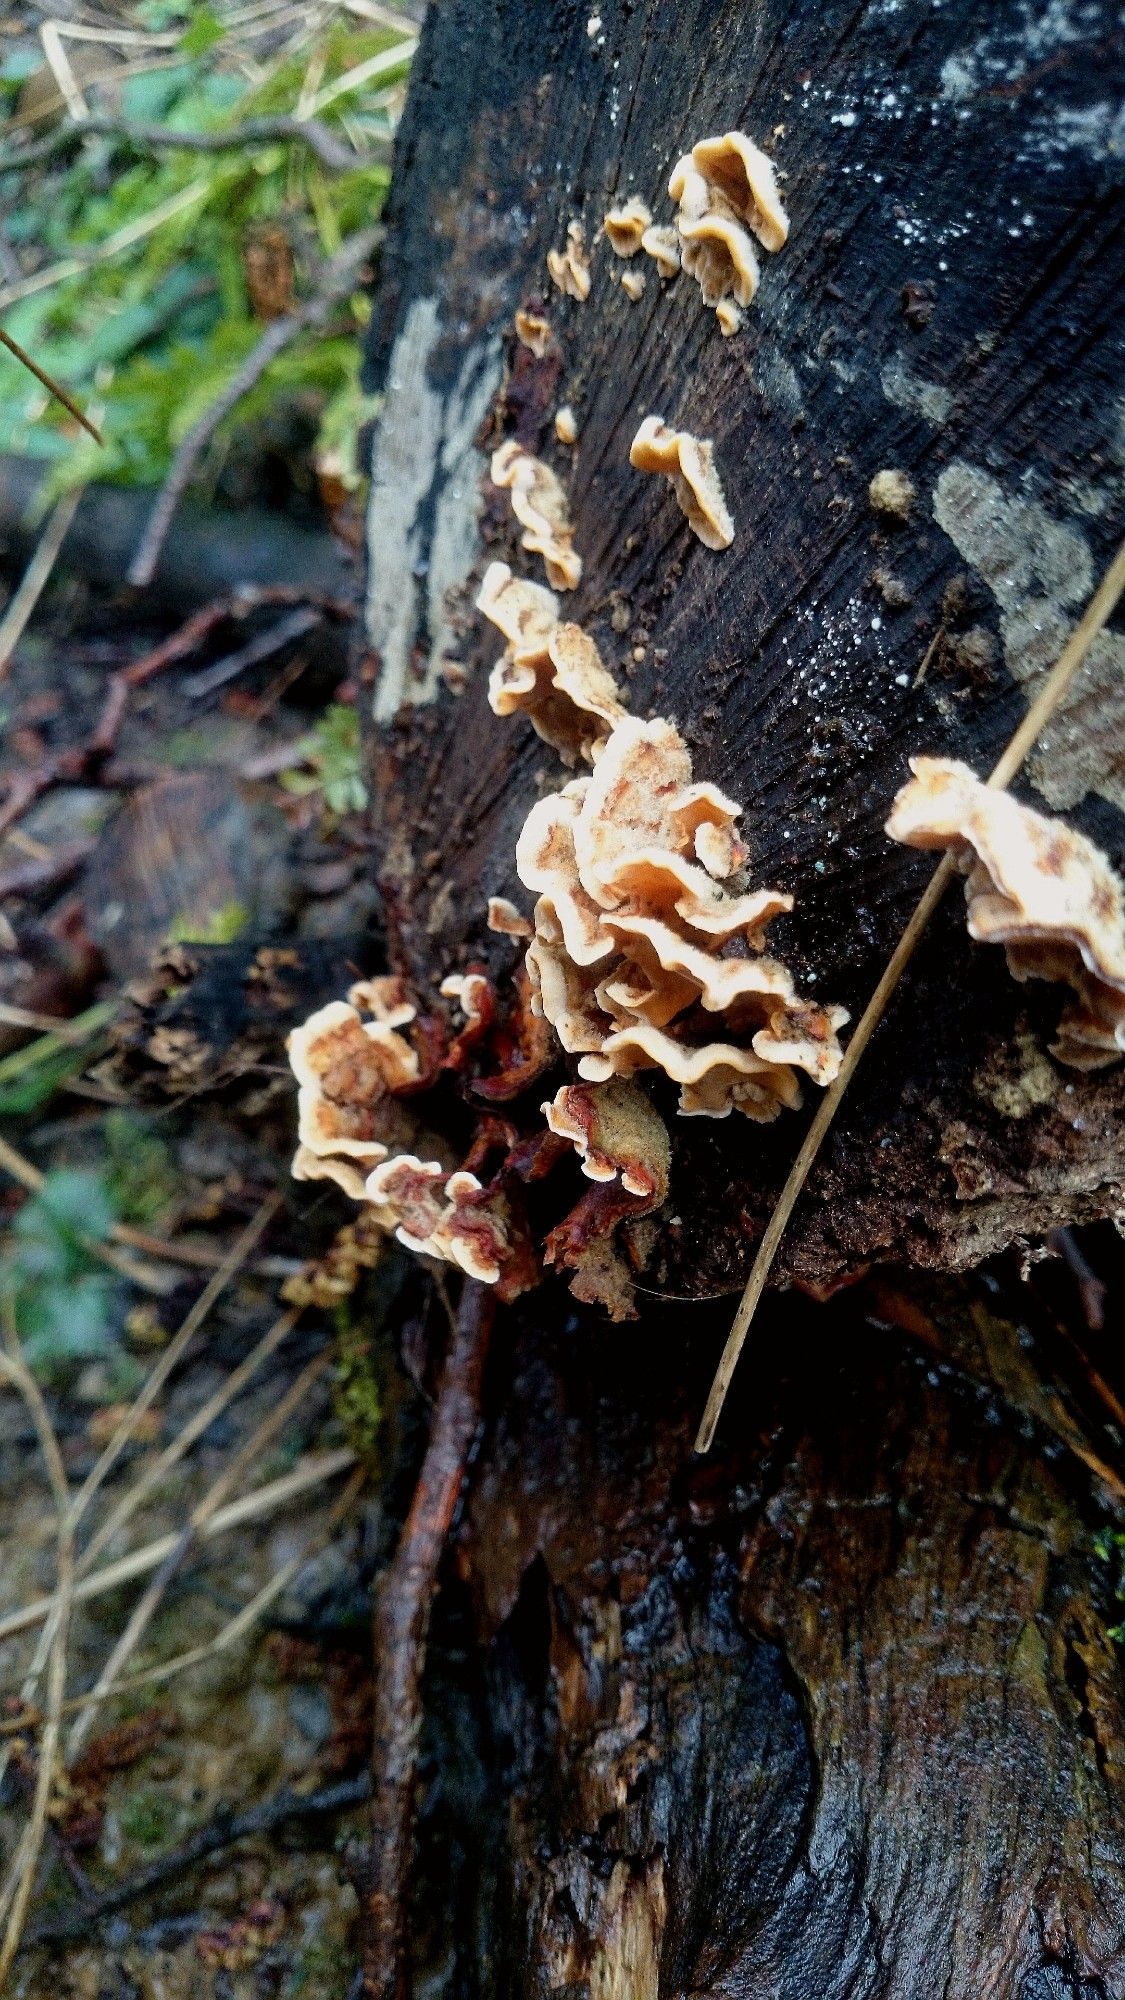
[[83, 760], [402, 1611]]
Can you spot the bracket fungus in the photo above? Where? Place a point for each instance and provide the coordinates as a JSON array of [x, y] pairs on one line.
[[624, 227], [552, 671], [533, 330], [540, 506], [647, 940], [1037, 887], [633, 285], [661, 242], [439, 1214], [726, 191], [689, 462], [569, 269], [346, 1068]]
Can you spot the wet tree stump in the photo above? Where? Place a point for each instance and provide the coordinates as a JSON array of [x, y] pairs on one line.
[[836, 1713]]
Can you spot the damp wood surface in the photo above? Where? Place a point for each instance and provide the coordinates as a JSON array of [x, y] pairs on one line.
[[945, 309]]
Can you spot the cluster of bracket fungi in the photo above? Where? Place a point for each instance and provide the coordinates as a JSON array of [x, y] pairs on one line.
[[645, 950]]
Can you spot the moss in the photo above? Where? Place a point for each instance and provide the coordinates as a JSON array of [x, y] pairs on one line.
[[358, 1399], [147, 1817]]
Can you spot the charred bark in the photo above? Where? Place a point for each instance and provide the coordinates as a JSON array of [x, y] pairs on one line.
[[930, 161], [837, 1712]]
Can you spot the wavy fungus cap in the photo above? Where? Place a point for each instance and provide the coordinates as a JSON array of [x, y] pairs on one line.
[[616, 1133], [1036, 886], [553, 672], [624, 227], [344, 1068], [533, 330], [661, 242], [569, 269], [647, 951], [689, 462], [745, 177], [439, 1214], [540, 506]]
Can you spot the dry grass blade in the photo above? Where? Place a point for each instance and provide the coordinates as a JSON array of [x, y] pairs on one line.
[[1051, 695], [123, 239], [255, 1506], [16, 1894], [174, 1351], [145, 1609], [56, 389], [196, 1256], [159, 1467]]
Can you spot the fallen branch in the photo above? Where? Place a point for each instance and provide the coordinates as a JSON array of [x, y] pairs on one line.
[[82, 761], [1052, 693], [333, 153], [334, 282], [402, 1612], [223, 1830]]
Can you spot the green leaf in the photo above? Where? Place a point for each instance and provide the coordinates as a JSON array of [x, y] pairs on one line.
[[205, 31]]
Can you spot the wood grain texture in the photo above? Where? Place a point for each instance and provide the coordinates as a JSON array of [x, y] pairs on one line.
[[973, 161], [832, 1713]]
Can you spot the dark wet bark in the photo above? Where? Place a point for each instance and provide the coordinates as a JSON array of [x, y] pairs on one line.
[[930, 159], [836, 1712]]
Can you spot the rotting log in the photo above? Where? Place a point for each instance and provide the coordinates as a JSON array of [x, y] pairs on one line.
[[836, 1713], [927, 164]]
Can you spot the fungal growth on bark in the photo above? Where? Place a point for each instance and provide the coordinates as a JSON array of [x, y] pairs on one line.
[[539, 505], [689, 462], [533, 330], [1037, 887], [726, 191], [624, 227], [346, 1069], [552, 671], [649, 945], [661, 242], [569, 269]]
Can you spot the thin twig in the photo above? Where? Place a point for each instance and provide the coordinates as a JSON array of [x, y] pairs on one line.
[[196, 1256], [223, 1830], [1052, 693], [335, 281], [402, 1610], [333, 153], [256, 1506], [143, 1612], [123, 239], [158, 1468], [60, 394], [16, 1895], [229, 1634]]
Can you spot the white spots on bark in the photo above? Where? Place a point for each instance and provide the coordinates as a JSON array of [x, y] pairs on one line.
[[908, 391], [1040, 571], [422, 517]]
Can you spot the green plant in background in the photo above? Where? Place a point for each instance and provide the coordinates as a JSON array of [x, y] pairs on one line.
[[30, 1076], [333, 753], [61, 1300], [165, 300], [140, 1174]]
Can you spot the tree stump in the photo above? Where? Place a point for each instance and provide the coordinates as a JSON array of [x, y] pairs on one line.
[[836, 1714]]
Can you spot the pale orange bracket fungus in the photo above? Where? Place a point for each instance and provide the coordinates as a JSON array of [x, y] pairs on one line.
[[647, 940], [533, 330], [569, 269], [442, 1215], [624, 227], [623, 1147], [661, 242], [346, 1068], [566, 424], [1037, 887], [726, 191], [552, 671], [540, 506], [689, 462]]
